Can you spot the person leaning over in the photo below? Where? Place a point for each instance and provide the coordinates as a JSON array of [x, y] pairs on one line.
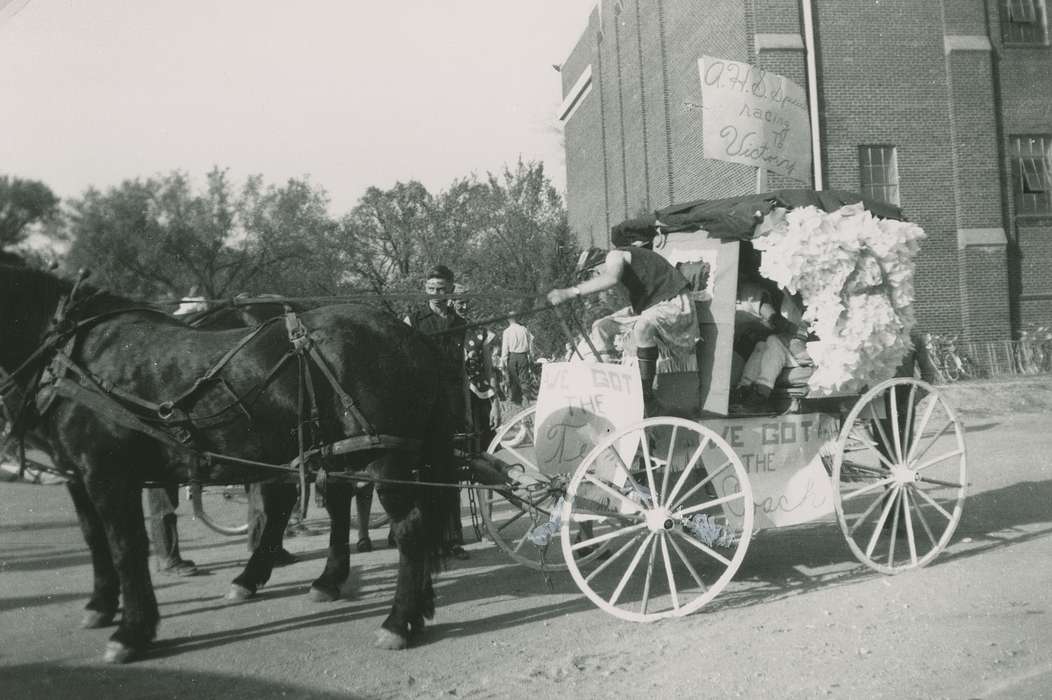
[[659, 297], [516, 356]]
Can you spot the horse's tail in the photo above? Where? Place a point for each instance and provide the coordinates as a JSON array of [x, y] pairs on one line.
[[441, 504]]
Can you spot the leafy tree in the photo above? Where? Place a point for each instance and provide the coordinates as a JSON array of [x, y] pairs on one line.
[[520, 246], [22, 204], [158, 237], [289, 243]]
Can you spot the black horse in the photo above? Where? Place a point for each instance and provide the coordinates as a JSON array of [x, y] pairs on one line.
[[250, 312], [224, 402]]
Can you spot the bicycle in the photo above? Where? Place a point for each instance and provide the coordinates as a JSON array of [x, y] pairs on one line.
[[950, 364], [1034, 349]]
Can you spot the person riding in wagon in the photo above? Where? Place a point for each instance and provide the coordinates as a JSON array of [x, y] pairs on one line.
[[659, 295]]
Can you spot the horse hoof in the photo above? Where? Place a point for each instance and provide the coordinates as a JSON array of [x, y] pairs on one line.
[[319, 595], [238, 593], [93, 619], [117, 653], [386, 639]]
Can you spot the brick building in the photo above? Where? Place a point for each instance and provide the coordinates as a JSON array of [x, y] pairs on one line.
[[941, 106]]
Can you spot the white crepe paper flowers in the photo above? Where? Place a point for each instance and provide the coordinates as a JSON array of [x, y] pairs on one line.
[[854, 272]]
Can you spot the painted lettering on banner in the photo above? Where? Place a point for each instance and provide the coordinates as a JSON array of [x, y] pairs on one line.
[[755, 117]]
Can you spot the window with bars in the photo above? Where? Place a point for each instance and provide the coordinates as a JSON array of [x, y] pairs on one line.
[[1032, 189], [878, 170], [1024, 21]]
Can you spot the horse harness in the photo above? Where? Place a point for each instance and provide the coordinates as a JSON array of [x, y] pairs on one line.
[[170, 421]]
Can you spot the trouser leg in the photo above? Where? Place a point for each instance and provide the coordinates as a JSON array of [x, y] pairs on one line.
[[647, 359], [161, 523], [774, 357]]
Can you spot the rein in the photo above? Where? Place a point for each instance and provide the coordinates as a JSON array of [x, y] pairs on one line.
[[73, 382]]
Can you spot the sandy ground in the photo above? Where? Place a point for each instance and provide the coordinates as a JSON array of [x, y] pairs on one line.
[[802, 619]]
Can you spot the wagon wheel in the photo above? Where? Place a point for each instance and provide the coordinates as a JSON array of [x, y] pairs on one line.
[[377, 516], [511, 514], [527, 506], [899, 475], [672, 502], [223, 509]]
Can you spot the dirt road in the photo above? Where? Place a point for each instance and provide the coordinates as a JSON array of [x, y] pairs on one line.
[[802, 619]]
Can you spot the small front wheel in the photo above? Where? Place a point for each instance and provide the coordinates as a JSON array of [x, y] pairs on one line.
[[223, 509], [521, 517], [670, 503]]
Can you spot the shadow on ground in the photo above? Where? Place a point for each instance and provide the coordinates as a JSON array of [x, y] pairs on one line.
[[46, 681]]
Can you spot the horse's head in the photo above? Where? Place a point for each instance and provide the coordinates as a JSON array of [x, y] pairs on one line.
[[28, 299]]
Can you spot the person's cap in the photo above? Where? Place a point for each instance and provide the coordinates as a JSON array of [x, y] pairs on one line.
[[632, 232], [440, 272]]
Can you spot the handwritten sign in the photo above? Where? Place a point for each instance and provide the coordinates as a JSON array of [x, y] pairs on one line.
[[579, 404], [754, 117], [783, 457]]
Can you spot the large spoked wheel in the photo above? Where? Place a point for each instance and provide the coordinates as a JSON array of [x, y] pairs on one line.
[[517, 517], [899, 475], [672, 504], [223, 509]]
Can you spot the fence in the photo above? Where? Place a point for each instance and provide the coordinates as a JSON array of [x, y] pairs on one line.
[[1003, 358]]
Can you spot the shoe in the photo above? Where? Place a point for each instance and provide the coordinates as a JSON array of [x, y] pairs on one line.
[[283, 557], [457, 552], [298, 529], [365, 545], [180, 567], [751, 400]]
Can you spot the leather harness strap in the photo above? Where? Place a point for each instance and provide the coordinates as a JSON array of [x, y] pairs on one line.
[[80, 386]]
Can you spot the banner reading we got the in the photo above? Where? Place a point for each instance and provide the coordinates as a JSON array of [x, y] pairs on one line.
[[579, 404], [755, 117]]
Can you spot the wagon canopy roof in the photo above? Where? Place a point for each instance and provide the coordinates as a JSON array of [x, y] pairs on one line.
[[737, 217]]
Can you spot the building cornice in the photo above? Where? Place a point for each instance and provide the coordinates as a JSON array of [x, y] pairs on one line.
[[963, 42], [779, 42]]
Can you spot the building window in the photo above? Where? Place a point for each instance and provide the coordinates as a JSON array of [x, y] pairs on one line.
[[1024, 21], [1031, 186], [878, 170]]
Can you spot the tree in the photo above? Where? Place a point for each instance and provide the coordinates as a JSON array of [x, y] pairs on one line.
[[505, 236], [22, 204], [289, 243], [158, 237], [520, 246]]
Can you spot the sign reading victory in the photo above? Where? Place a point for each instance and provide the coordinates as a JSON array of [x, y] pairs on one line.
[[754, 117]]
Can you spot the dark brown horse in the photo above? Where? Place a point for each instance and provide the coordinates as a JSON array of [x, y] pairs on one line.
[[282, 494], [236, 402]]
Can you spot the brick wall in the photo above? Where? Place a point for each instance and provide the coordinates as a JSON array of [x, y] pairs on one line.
[[583, 137], [1024, 76], [1035, 271], [885, 77], [633, 109]]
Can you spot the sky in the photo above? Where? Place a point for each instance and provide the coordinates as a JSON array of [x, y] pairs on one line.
[[351, 93]]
